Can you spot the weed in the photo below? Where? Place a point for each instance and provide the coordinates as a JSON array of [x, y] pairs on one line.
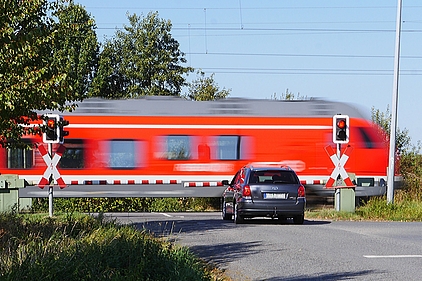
[[403, 209], [80, 247]]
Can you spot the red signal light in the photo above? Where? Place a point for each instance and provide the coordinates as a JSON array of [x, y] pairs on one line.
[[341, 124], [340, 128], [51, 123], [51, 128]]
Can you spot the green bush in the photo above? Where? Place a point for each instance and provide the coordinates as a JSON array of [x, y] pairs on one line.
[[411, 170], [102, 205]]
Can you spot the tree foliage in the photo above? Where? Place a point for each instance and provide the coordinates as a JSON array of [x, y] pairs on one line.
[[76, 48], [33, 52], [411, 169], [409, 155], [205, 89], [142, 59], [26, 79], [383, 119]]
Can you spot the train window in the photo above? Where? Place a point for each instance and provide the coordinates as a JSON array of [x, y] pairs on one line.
[[122, 154], [178, 147], [367, 140], [73, 156], [20, 158], [226, 148]]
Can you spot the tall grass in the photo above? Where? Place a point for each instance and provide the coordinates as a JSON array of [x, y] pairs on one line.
[[84, 248], [403, 209], [376, 209]]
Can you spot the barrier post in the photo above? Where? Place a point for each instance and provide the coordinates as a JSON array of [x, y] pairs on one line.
[[344, 199]]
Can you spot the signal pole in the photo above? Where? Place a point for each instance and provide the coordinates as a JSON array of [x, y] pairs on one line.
[[393, 127], [54, 133], [50, 187]]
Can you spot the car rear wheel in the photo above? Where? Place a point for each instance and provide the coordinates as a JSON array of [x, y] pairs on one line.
[[299, 219], [238, 219], [224, 214]]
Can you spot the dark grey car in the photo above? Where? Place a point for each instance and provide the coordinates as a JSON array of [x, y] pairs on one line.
[[264, 191]]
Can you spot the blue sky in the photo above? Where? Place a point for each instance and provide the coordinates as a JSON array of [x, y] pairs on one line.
[[334, 49]]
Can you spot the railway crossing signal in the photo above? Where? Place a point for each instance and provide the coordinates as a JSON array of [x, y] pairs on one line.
[[54, 128], [340, 129], [52, 131]]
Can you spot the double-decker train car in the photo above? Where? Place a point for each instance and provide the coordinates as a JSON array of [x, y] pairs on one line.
[[167, 140]]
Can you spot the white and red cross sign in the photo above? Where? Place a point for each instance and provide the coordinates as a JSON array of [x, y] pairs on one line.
[[51, 167], [339, 166]]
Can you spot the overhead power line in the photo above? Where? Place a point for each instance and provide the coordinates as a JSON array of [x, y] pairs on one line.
[[272, 8], [305, 55], [332, 30], [309, 71]]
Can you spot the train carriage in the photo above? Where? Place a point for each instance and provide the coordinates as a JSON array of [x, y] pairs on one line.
[[170, 140]]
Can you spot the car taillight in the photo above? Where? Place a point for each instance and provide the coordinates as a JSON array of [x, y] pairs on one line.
[[301, 191], [246, 191]]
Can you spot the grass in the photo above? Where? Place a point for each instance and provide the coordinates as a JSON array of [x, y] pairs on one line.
[[80, 247], [376, 209], [74, 246]]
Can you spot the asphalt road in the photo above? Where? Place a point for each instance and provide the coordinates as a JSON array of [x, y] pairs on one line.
[[266, 249]]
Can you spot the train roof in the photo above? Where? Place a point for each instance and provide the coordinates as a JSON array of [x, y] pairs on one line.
[[176, 106]]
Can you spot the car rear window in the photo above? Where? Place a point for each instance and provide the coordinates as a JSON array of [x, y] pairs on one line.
[[273, 176]]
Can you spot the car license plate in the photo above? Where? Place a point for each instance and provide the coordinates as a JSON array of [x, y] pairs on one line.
[[275, 195]]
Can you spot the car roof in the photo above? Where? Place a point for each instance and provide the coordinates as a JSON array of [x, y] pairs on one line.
[[260, 166]]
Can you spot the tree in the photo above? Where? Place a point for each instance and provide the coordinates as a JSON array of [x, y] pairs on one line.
[[143, 59], [383, 119], [32, 77], [409, 156], [205, 89], [76, 47]]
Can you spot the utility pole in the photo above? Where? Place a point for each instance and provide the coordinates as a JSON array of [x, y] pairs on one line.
[[393, 127]]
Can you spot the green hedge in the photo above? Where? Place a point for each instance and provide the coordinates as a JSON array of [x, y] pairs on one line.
[[103, 205]]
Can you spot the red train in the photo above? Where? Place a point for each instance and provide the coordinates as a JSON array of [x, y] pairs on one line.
[[165, 140]]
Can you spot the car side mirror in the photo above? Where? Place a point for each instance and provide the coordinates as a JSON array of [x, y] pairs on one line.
[[225, 182]]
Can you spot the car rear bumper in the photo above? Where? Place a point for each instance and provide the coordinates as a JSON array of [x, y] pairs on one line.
[[247, 208]]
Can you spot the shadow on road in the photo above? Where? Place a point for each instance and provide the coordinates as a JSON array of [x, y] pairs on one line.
[[164, 228], [167, 227], [223, 253], [348, 275]]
